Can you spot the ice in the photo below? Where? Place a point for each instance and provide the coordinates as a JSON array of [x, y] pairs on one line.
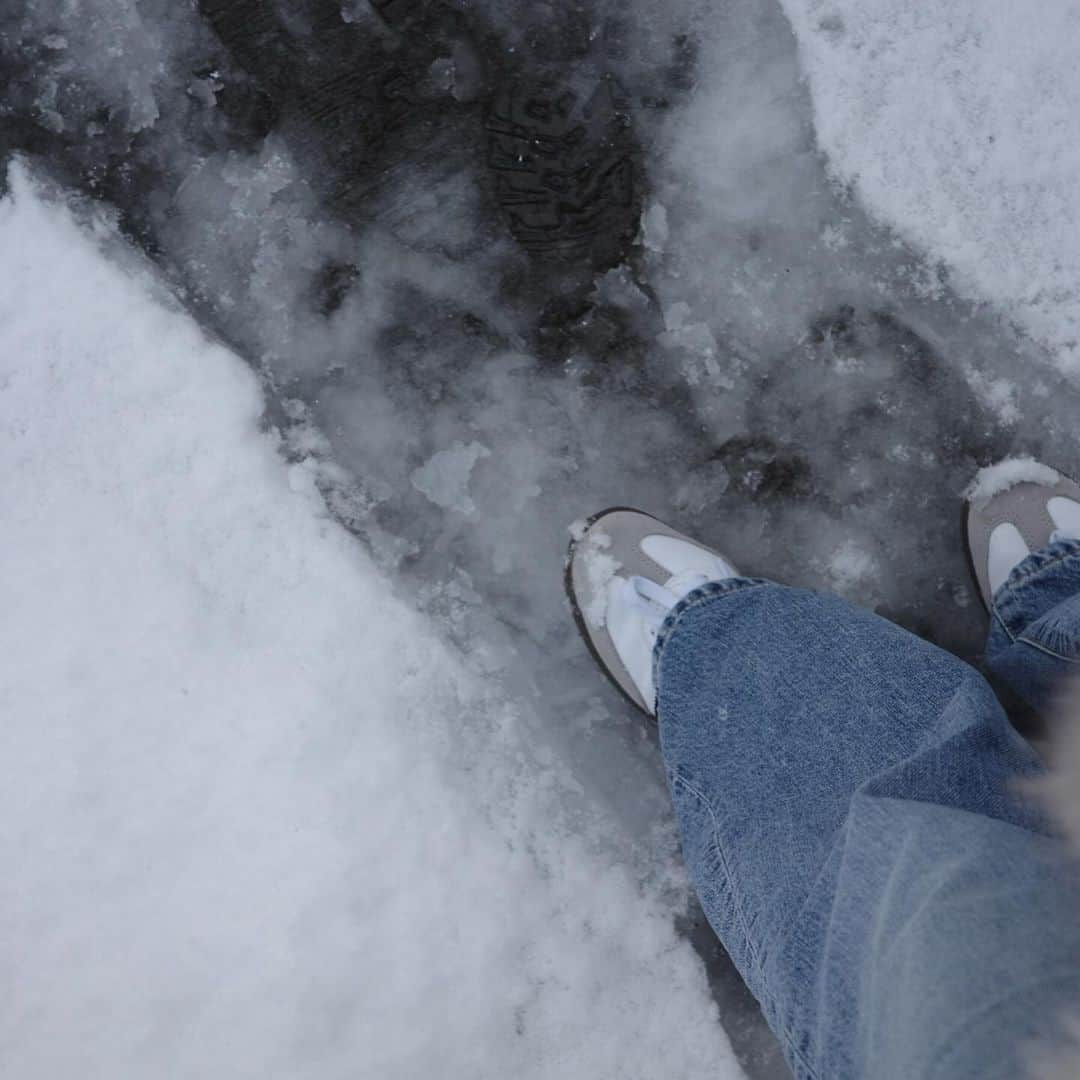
[[654, 227], [998, 478], [238, 835], [445, 478]]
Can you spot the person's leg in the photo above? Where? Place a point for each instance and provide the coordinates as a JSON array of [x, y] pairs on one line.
[[1035, 623], [846, 797]]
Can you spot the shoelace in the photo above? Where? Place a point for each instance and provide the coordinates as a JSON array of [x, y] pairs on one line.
[[653, 601]]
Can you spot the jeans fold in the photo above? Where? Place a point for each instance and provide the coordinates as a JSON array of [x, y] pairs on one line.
[[847, 796]]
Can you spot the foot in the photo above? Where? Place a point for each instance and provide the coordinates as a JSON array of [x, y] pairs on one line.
[[626, 570], [1014, 508]]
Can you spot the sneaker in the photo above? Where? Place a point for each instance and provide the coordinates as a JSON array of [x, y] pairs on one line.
[[1014, 508], [625, 571]]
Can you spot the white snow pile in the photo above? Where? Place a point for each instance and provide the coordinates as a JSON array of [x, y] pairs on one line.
[[956, 122], [600, 569], [999, 478], [234, 841]]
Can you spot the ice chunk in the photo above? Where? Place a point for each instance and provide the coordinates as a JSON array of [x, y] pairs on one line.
[[654, 227], [675, 316], [850, 566], [445, 478]]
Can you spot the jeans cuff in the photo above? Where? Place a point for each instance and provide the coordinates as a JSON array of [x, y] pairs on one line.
[[1009, 604], [711, 590]]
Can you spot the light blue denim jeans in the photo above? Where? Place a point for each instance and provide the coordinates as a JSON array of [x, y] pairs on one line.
[[851, 816]]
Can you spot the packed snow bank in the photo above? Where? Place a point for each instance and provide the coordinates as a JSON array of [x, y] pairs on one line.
[[234, 844], [956, 123]]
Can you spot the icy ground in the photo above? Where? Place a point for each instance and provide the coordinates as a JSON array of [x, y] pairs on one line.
[[795, 358]]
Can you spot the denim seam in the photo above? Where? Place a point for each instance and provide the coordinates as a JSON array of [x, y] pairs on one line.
[[1000, 620], [1039, 561], [682, 782], [1023, 639], [1043, 649], [789, 1039]]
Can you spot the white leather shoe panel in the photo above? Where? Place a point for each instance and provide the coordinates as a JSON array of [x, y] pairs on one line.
[[1066, 515], [631, 636], [679, 557], [1007, 549]]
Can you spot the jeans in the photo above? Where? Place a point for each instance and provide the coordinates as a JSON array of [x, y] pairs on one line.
[[851, 805]]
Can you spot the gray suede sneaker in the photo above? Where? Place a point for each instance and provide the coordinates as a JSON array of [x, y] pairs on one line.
[[625, 571], [1014, 508]]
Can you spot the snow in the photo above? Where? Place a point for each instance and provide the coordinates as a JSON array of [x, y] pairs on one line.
[[1000, 477], [600, 569], [955, 122], [240, 834]]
